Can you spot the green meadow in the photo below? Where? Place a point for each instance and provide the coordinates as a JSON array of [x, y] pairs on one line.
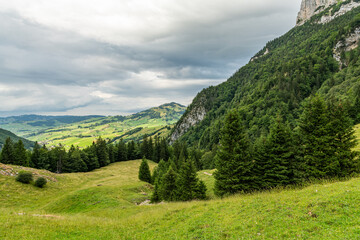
[[105, 204]]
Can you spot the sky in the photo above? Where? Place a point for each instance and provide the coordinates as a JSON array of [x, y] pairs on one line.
[[111, 57]]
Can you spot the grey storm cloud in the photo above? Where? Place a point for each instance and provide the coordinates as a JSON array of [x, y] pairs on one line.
[[116, 57]]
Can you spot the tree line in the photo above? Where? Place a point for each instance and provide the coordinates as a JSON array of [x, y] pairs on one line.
[[99, 154], [321, 146]]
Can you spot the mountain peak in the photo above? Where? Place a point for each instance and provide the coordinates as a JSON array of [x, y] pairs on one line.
[[311, 7]]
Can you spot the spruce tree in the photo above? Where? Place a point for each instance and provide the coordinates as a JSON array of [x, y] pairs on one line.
[[111, 153], [168, 186], [102, 152], [188, 182], [7, 153], [316, 140], [121, 151], [35, 155], [144, 171], [234, 161], [342, 159], [21, 157], [279, 157]]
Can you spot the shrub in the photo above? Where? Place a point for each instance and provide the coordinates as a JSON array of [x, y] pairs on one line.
[[24, 177], [40, 182]]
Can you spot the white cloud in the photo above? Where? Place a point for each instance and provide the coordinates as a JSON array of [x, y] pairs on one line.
[[118, 56]]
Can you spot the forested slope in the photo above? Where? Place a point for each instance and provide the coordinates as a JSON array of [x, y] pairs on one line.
[[310, 59]]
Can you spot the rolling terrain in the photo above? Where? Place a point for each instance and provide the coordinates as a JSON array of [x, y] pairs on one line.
[[103, 204], [4, 134], [155, 121]]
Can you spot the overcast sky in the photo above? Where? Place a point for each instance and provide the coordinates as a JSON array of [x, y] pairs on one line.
[[114, 57]]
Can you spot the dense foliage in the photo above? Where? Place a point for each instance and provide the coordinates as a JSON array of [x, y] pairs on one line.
[[24, 177], [297, 65], [40, 182], [144, 171], [321, 147]]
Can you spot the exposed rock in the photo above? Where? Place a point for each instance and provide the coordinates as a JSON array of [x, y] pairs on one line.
[[350, 43], [196, 114], [343, 9], [311, 7], [265, 53]]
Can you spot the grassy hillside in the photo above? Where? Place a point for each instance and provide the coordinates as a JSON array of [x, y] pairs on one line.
[[4, 134], [154, 121], [102, 205], [28, 124]]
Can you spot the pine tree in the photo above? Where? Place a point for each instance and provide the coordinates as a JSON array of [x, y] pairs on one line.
[[168, 186], [188, 182], [102, 152], [21, 158], [35, 155], [111, 153], [91, 159], [155, 197], [279, 157], [234, 161], [144, 171], [7, 153], [121, 151], [342, 159], [131, 151], [316, 141]]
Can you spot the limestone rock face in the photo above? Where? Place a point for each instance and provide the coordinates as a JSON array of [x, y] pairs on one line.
[[312, 7]]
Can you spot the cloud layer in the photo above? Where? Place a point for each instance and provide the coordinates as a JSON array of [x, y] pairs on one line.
[[118, 57]]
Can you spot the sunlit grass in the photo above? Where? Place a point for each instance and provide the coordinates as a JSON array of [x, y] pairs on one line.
[[102, 205]]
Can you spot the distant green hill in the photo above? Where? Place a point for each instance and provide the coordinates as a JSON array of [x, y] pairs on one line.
[[4, 134], [26, 124], [155, 121]]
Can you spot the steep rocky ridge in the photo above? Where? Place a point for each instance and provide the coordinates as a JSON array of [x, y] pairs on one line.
[[311, 7], [279, 79], [331, 8], [348, 44]]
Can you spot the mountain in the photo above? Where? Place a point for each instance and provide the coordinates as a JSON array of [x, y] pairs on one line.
[[153, 121], [27, 124], [4, 134], [310, 8], [314, 58]]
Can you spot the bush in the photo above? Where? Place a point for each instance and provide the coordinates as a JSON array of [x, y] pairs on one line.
[[40, 182], [24, 177]]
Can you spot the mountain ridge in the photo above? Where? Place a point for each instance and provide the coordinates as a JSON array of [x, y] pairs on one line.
[[296, 65]]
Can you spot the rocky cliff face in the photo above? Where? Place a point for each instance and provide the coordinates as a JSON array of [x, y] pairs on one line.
[[311, 7], [191, 118]]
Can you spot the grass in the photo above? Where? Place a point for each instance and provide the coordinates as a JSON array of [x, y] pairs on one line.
[[155, 121], [102, 205]]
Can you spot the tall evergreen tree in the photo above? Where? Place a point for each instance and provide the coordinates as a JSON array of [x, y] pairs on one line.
[[342, 160], [234, 161], [144, 171], [278, 157], [111, 153], [188, 183], [168, 187], [7, 153], [315, 138], [35, 155], [21, 158], [121, 151], [102, 152]]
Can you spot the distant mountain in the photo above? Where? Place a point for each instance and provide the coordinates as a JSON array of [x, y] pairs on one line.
[[322, 56], [4, 134], [27, 124], [155, 121]]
